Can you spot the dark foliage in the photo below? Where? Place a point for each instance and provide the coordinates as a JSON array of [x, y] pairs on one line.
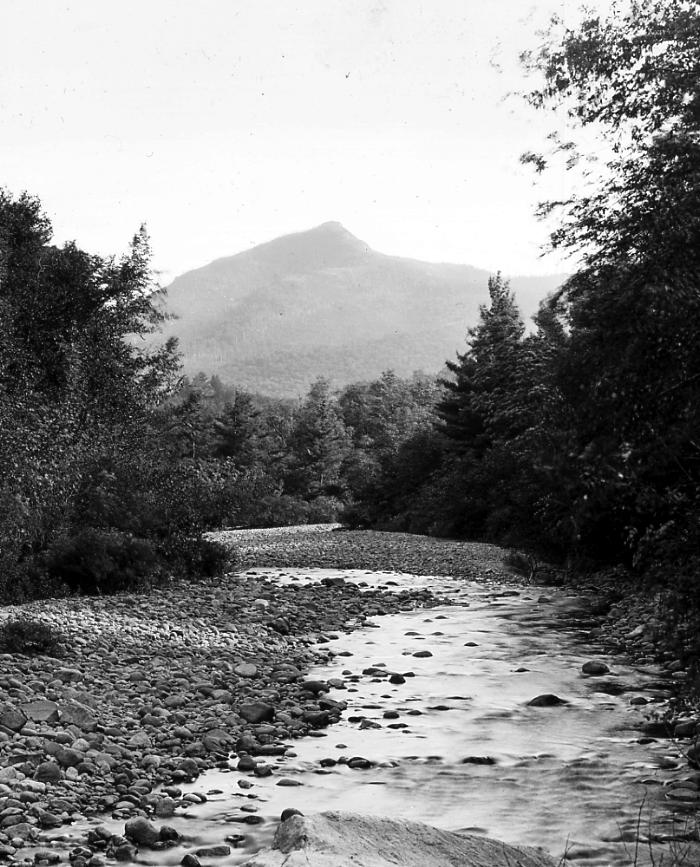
[[30, 637]]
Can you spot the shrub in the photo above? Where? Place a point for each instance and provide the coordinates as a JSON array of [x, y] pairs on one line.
[[103, 561], [195, 556], [30, 637]]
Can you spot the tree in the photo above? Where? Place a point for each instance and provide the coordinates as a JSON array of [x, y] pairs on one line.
[[84, 466], [318, 444], [630, 371], [477, 407]]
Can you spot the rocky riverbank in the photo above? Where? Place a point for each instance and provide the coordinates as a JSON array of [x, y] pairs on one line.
[[153, 689]]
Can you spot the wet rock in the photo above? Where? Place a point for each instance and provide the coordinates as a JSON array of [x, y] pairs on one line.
[[190, 860], [349, 838], [397, 679], [141, 831], [594, 668], [165, 808], [217, 740], [685, 728], [656, 729], [289, 812], [478, 760], [422, 654], [547, 699], [45, 857], [220, 851], [316, 718], [246, 763], [124, 852], [360, 763], [315, 686]]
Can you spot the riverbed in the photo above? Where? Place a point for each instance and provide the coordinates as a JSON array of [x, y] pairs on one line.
[[433, 650], [454, 741]]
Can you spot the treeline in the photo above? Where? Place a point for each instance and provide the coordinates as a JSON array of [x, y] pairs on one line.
[[93, 493], [112, 464], [583, 439], [307, 461]]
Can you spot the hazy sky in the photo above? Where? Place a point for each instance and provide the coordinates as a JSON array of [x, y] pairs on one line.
[[224, 123]]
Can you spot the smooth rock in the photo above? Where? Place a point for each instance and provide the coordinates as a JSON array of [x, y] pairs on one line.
[[331, 839], [257, 712], [246, 669], [594, 668], [547, 699], [141, 831]]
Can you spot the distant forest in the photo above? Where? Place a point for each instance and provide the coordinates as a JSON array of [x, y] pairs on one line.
[[578, 441]]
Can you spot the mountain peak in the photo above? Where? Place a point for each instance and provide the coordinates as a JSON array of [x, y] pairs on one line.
[[328, 245]]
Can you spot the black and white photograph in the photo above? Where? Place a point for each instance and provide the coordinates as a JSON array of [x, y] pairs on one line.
[[350, 433]]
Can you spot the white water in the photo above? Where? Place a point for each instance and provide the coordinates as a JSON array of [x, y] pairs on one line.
[[570, 778]]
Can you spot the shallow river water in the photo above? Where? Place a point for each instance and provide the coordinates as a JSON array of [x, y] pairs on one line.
[[466, 751]]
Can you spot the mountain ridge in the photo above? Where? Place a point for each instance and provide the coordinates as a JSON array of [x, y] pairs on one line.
[[325, 293]]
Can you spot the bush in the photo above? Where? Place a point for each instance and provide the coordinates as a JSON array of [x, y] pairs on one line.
[[103, 561], [30, 637], [196, 557]]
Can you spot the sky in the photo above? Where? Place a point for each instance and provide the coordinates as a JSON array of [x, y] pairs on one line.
[[222, 124]]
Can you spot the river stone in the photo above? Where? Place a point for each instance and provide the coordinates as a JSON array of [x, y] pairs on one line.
[[594, 668], [315, 686], [48, 772], [40, 711], [548, 699], [422, 654], [246, 669], [257, 712], [333, 838], [11, 717], [68, 758], [76, 713], [141, 831], [140, 741], [220, 851], [217, 741]]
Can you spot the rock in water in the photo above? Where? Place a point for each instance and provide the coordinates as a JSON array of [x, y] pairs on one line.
[[594, 668], [548, 699], [330, 839]]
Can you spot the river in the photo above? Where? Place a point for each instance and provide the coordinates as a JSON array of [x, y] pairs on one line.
[[460, 746]]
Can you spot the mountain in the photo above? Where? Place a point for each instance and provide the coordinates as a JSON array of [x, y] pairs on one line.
[[323, 303]]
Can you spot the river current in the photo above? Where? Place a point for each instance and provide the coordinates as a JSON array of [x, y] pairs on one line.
[[461, 748]]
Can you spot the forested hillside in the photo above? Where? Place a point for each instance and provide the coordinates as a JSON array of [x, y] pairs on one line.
[[323, 303]]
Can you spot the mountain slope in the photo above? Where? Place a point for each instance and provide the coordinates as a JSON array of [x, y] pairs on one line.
[[321, 302]]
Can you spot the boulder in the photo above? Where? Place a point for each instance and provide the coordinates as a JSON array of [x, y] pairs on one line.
[[76, 713], [141, 831], [547, 699], [594, 668], [330, 839], [40, 711]]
